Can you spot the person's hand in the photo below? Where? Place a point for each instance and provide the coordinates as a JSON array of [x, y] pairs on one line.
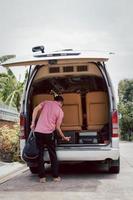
[[67, 138], [32, 126]]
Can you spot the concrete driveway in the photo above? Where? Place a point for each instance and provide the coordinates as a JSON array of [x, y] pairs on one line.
[[80, 181]]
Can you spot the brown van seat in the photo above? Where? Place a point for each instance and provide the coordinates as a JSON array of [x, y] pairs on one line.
[[72, 109], [41, 97], [72, 112], [97, 110]]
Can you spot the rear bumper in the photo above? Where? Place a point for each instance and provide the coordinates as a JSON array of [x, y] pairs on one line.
[[82, 153], [85, 154]]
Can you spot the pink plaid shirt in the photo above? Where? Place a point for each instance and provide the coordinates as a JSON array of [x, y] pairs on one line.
[[51, 114]]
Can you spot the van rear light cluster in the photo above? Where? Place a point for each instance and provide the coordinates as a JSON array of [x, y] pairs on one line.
[[22, 126], [115, 124]]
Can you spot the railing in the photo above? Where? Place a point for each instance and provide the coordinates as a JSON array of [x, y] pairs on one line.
[[8, 113]]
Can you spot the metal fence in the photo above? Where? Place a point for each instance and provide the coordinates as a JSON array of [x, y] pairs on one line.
[[8, 113]]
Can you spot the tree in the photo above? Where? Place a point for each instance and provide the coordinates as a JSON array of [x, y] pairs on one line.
[[10, 88], [125, 91], [5, 58]]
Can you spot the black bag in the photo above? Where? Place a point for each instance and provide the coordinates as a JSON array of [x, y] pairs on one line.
[[30, 151]]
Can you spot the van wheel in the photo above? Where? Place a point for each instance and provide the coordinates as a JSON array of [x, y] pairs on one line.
[[114, 166], [114, 170], [34, 170]]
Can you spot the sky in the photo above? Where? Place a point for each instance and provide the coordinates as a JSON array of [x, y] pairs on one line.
[[104, 25]]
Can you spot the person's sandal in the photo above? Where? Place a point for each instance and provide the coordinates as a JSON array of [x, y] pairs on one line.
[[58, 179], [42, 180]]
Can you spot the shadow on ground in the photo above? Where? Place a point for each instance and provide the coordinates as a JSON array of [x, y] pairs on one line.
[[80, 177]]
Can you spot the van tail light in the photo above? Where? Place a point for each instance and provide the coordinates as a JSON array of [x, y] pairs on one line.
[[115, 124], [22, 126]]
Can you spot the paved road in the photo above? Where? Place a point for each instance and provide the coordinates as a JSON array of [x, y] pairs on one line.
[[80, 181]]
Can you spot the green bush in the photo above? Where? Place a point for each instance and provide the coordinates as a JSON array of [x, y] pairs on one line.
[[9, 143]]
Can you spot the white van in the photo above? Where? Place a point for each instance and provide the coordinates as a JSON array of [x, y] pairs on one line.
[[90, 114]]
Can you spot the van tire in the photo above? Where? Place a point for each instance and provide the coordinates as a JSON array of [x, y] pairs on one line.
[[114, 166], [114, 170], [34, 170]]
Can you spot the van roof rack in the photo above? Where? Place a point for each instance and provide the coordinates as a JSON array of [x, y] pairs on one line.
[[57, 54]]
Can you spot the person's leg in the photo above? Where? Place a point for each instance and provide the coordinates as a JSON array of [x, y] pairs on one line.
[[40, 144], [53, 156]]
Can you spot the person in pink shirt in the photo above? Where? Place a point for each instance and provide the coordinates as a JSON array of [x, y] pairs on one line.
[[50, 119]]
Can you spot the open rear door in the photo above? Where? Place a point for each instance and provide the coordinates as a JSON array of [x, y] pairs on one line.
[[60, 57]]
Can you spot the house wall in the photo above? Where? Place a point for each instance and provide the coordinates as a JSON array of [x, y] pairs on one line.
[[8, 116]]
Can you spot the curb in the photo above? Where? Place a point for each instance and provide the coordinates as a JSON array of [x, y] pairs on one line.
[[10, 170]]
